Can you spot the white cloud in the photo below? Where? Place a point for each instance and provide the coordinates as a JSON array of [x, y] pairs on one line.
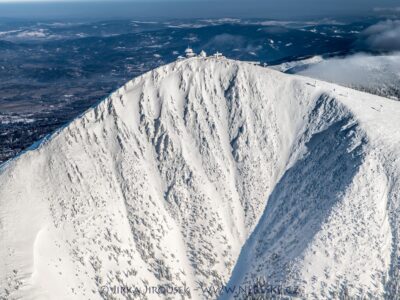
[[379, 74], [383, 36], [387, 9]]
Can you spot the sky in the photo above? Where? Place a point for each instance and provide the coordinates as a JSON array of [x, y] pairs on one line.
[[192, 8]]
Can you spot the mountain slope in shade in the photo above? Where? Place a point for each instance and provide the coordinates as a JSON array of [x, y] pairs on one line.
[[207, 172]]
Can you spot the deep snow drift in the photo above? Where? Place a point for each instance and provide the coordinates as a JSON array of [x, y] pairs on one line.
[[207, 172]]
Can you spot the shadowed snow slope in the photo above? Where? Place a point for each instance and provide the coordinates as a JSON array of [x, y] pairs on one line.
[[207, 172]]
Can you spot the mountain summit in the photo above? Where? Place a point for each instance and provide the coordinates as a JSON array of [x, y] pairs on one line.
[[207, 173]]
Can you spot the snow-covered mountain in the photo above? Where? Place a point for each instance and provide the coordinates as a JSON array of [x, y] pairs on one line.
[[375, 74], [208, 172]]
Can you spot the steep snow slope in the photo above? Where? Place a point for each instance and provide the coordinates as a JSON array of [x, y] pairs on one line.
[[205, 172]]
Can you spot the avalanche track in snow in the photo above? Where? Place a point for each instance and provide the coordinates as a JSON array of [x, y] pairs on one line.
[[208, 172]]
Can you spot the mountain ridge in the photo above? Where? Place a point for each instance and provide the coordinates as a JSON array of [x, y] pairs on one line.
[[184, 176]]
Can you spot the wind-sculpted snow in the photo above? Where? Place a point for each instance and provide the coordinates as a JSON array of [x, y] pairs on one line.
[[202, 173]]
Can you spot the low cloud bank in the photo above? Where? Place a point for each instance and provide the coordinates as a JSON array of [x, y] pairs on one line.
[[378, 74], [383, 36]]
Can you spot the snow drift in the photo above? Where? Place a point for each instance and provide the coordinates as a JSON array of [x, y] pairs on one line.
[[203, 173]]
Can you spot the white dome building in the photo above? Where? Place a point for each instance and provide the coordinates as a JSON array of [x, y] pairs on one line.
[[189, 52]]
